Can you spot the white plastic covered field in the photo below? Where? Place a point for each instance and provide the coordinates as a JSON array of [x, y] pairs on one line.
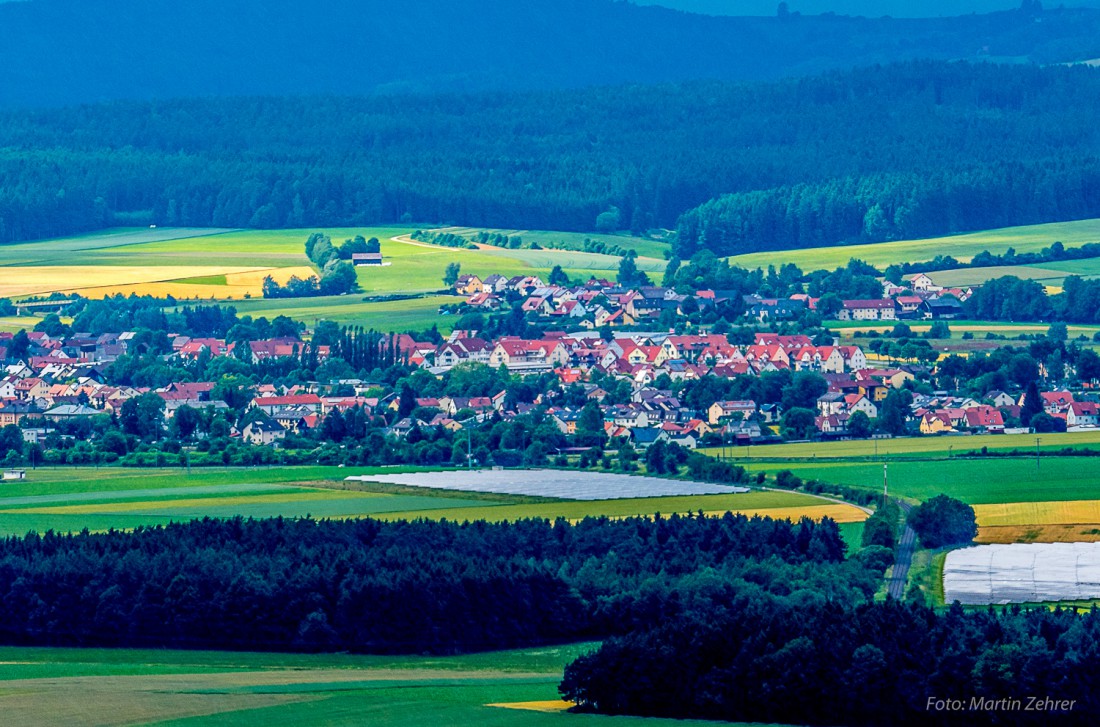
[[1023, 573], [558, 484]]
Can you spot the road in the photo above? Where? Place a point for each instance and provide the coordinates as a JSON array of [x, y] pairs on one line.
[[904, 556]]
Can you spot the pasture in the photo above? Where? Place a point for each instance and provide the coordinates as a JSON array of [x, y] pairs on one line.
[[56, 686], [1030, 238], [393, 315], [71, 499]]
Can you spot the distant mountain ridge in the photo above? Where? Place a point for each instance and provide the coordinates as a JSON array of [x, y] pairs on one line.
[[60, 52]]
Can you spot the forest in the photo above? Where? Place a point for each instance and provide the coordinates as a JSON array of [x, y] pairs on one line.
[[749, 659], [119, 49], [404, 587], [905, 150]]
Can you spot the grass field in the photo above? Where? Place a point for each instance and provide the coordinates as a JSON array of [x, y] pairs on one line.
[[400, 315], [575, 240], [44, 686], [70, 499], [976, 481], [908, 446], [1031, 238]]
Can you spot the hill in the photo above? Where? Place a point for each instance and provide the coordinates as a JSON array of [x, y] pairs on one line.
[[93, 50], [931, 144], [866, 8]]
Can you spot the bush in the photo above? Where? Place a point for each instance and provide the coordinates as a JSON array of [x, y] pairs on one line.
[[944, 521]]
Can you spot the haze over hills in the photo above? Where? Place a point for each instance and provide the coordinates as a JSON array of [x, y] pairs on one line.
[[57, 52], [866, 8]]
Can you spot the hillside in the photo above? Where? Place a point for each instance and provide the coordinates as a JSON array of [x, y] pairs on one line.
[[68, 51], [558, 159]]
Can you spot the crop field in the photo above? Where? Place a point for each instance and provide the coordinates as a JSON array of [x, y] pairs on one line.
[[1030, 238], [70, 499], [48, 686], [197, 264], [1039, 522]]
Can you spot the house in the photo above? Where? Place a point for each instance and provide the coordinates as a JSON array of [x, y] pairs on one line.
[[908, 306], [271, 404], [366, 259], [722, 410], [1054, 402], [1000, 399], [881, 309], [1083, 414], [644, 438], [263, 432], [15, 474], [985, 418], [935, 422], [521, 355], [859, 402], [942, 309], [921, 282], [469, 285]]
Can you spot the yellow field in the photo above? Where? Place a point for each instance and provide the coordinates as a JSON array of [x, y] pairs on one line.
[[548, 705], [1039, 522], [17, 281], [164, 281]]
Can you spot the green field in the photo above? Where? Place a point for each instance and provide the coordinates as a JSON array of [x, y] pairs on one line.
[[975, 481], [1030, 238], [45, 686], [399, 315], [71, 499], [645, 247], [908, 447]]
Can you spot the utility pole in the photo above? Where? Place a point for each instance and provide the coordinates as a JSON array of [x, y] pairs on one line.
[[885, 485], [1037, 453]]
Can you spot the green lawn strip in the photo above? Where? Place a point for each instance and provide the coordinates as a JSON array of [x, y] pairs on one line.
[[643, 506], [976, 481], [148, 495], [204, 280]]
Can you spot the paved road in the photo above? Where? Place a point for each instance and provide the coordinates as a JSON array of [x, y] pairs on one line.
[[904, 556]]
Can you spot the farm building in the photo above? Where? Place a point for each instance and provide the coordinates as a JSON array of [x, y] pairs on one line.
[[366, 258], [15, 474]]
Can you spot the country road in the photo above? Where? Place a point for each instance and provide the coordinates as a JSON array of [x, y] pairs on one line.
[[904, 557]]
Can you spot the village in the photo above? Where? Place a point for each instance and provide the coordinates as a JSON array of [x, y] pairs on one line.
[[64, 378]]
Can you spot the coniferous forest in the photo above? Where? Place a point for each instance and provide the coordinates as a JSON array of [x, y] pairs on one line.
[[880, 153]]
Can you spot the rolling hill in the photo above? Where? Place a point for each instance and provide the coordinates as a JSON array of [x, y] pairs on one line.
[[57, 52]]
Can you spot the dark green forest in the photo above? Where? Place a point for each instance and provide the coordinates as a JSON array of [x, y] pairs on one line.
[[880, 153], [401, 587], [760, 660], [58, 52]]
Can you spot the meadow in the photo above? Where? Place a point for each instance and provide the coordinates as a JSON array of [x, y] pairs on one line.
[[71, 499], [59, 686], [1029, 238]]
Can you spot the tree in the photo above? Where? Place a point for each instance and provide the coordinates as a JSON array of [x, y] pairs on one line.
[[143, 416], [185, 421], [1033, 403], [798, 423], [610, 220], [859, 425], [590, 427], [19, 346], [944, 521], [558, 276], [893, 412], [629, 275], [450, 275]]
